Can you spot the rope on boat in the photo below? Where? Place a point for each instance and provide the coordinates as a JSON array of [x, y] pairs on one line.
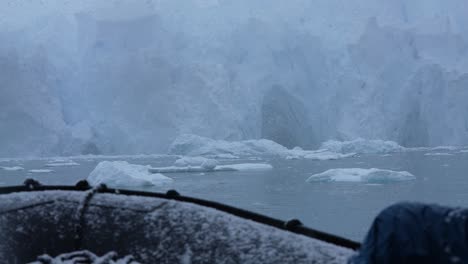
[[80, 223]]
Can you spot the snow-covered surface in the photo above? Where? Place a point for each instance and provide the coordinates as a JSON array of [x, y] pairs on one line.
[[40, 171], [15, 168], [361, 175], [204, 168], [184, 231], [362, 146], [122, 173]]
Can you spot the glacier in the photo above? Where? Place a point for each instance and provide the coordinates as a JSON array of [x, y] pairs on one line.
[[130, 77]]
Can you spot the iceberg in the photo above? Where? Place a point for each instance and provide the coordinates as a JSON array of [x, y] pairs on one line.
[[362, 146], [122, 173], [196, 161], [361, 175], [193, 145], [15, 168]]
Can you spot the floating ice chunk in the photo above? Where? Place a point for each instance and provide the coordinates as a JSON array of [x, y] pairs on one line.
[[327, 155], [361, 175], [41, 171], [323, 154], [16, 168], [62, 164], [122, 173], [196, 161], [438, 154], [448, 148], [231, 167], [175, 169], [244, 167], [363, 146]]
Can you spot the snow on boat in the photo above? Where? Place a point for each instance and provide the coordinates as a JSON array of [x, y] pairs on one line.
[[152, 228]]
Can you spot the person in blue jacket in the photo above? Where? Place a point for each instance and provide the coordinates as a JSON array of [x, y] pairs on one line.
[[416, 233]]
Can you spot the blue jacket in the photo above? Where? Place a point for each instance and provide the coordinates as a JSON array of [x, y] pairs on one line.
[[416, 233]]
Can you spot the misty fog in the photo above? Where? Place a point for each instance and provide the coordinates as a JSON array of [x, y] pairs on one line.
[[128, 77]]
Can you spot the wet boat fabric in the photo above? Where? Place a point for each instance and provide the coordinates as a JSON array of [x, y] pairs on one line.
[[416, 233], [152, 230]]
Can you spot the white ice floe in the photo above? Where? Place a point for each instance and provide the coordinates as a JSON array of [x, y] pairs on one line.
[[438, 154], [192, 145], [244, 167], [364, 146], [298, 153], [16, 168], [122, 173], [62, 164], [41, 171], [231, 167], [361, 175], [175, 169], [196, 161]]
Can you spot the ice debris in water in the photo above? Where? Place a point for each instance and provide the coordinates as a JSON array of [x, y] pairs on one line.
[[85, 257], [41, 171], [193, 145], [361, 175], [122, 173], [62, 164], [244, 167], [211, 167], [323, 154], [16, 168], [363, 146], [438, 154]]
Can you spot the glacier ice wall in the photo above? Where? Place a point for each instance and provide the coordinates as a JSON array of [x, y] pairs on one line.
[[129, 76]]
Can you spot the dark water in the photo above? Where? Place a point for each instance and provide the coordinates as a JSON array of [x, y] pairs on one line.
[[345, 209]]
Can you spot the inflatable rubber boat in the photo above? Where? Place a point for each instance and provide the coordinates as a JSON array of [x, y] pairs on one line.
[[40, 224]]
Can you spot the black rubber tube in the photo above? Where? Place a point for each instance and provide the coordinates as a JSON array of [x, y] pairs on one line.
[[173, 195]]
